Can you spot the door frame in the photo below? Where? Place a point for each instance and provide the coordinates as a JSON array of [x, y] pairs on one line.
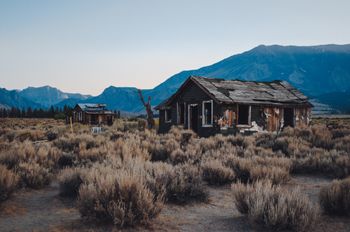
[[189, 114]]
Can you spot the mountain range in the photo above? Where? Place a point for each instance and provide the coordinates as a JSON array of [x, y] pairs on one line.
[[321, 72]]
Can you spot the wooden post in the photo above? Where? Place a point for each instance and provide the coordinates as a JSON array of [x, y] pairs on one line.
[[71, 124]]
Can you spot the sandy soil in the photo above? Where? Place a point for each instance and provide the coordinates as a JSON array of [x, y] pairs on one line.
[[44, 210]]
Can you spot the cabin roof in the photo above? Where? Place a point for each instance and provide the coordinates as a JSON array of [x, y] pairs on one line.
[[245, 92], [94, 108]]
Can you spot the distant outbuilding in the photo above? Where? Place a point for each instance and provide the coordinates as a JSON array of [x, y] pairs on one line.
[[209, 106], [93, 114]]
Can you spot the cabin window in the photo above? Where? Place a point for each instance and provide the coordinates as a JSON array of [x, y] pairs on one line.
[[207, 113], [168, 115], [244, 114], [80, 116]]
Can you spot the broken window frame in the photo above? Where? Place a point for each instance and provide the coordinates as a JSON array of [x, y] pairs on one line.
[[249, 115], [167, 119], [204, 123]]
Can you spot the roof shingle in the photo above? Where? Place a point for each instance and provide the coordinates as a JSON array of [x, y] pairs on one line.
[[248, 92]]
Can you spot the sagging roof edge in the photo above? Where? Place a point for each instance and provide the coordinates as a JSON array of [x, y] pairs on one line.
[[166, 102]]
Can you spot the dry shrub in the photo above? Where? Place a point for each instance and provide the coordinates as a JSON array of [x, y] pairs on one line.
[[181, 135], [335, 198], [8, 182], [238, 140], [65, 160], [159, 177], [33, 175], [274, 207], [118, 196], [186, 185], [215, 173], [322, 137], [162, 149], [130, 146], [339, 133], [158, 152], [265, 140], [276, 175], [70, 180], [19, 152], [241, 167], [51, 135], [343, 144], [32, 135], [178, 156], [92, 154], [258, 168], [283, 144], [333, 163], [71, 142]]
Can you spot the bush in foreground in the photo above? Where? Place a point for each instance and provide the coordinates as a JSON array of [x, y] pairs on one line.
[[118, 196], [70, 180], [217, 174], [275, 207], [33, 175], [335, 198], [186, 185], [8, 182]]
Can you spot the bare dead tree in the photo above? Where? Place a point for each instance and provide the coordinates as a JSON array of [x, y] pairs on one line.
[[150, 120]]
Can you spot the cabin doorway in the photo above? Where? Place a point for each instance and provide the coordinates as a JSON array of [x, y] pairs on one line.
[[193, 117], [93, 119], [288, 117]]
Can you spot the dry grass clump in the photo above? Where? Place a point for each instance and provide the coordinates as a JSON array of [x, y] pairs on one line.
[[33, 175], [73, 142], [258, 168], [118, 196], [343, 144], [215, 173], [274, 207], [8, 182], [22, 134], [186, 185], [41, 153], [333, 163], [70, 180], [125, 125], [178, 156], [162, 149], [335, 198]]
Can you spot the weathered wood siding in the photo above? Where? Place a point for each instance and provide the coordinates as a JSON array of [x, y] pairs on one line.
[[192, 94], [302, 116]]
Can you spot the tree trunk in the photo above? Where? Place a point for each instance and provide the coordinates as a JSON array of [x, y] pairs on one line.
[[147, 105]]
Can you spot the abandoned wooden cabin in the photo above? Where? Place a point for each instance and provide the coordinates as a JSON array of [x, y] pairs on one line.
[[209, 106], [94, 114]]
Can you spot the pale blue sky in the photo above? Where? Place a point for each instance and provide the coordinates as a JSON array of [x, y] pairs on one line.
[[85, 46]]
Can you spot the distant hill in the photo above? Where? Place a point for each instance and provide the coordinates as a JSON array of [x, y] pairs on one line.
[[338, 100], [11, 98], [48, 96], [315, 70]]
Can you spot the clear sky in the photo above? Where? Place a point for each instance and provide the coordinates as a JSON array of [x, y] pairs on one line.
[[85, 46]]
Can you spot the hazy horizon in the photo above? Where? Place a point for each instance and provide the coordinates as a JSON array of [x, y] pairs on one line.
[[86, 46]]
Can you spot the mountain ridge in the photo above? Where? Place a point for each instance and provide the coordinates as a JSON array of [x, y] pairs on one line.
[[315, 70]]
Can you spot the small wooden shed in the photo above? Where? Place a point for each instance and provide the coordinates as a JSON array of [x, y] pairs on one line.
[[209, 106], [91, 113]]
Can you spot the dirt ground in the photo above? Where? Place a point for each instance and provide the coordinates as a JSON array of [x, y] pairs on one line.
[[44, 210]]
